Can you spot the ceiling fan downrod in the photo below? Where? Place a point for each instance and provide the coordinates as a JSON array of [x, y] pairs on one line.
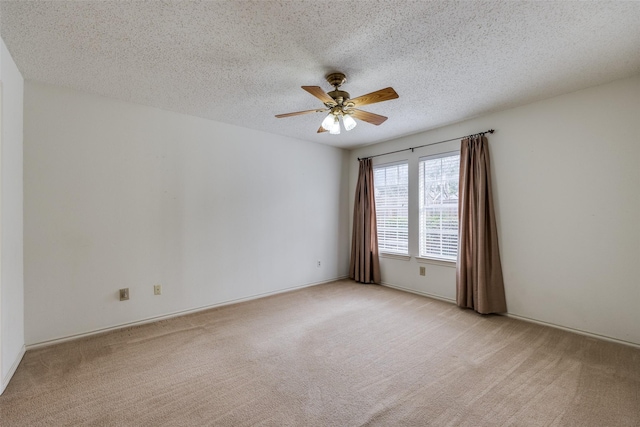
[[336, 80]]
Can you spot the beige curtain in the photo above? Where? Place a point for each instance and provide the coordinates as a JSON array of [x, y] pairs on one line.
[[479, 280], [365, 266]]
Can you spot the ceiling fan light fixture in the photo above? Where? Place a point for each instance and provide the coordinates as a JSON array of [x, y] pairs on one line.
[[349, 122], [328, 121], [335, 127]]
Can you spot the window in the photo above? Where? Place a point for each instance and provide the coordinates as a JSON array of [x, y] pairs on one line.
[[438, 202], [391, 184]]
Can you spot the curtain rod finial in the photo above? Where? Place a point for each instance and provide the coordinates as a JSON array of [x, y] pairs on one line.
[[491, 131]]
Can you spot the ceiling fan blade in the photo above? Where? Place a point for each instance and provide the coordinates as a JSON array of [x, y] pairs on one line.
[[320, 94], [373, 97], [297, 113], [321, 129], [368, 117]]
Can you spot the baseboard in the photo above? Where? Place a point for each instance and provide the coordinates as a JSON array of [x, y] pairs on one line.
[[575, 331], [413, 291], [12, 370], [54, 341], [173, 314], [523, 318]]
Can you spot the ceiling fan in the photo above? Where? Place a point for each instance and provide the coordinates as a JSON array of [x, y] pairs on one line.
[[340, 106]]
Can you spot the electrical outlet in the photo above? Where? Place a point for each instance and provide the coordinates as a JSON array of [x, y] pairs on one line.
[[157, 289], [319, 264], [124, 294], [423, 271]]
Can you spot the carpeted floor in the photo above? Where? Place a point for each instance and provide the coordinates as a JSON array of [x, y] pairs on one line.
[[339, 354]]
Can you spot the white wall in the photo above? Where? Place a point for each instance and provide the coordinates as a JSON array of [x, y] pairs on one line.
[[567, 191], [120, 195], [11, 220]]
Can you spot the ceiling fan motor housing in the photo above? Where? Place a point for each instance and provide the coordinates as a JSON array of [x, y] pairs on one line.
[[340, 96]]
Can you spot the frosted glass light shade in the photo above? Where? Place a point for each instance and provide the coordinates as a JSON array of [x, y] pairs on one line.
[[335, 128], [327, 123], [349, 122]]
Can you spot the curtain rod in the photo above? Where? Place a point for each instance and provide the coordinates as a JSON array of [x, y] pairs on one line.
[[425, 145]]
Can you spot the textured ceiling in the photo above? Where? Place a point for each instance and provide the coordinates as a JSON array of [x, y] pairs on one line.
[[242, 62]]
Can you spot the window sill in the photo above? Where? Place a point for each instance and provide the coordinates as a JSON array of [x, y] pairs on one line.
[[436, 261], [394, 256]]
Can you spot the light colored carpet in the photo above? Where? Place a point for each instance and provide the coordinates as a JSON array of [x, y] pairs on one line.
[[339, 354]]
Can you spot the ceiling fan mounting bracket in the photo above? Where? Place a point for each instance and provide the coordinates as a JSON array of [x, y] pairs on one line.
[[336, 79]]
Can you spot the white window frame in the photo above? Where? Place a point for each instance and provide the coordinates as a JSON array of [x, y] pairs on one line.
[[423, 254], [386, 249]]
